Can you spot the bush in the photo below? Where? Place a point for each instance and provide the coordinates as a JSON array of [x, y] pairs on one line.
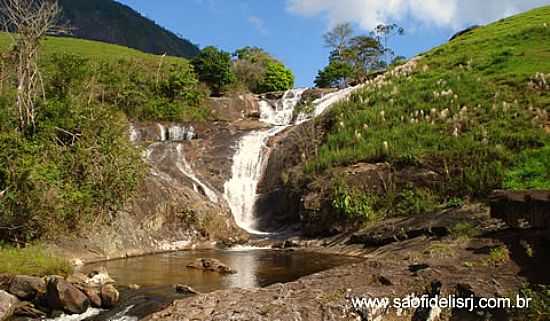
[[352, 203]]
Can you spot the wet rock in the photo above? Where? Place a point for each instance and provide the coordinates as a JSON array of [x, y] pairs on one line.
[[62, 295], [109, 296], [27, 288], [94, 296], [27, 309], [8, 303], [185, 289], [5, 280], [211, 265]]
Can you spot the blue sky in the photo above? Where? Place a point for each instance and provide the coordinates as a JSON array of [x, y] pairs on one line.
[[292, 30]]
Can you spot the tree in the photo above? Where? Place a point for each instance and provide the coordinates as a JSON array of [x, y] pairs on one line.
[[363, 54], [213, 67], [30, 21], [338, 37], [336, 74], [277, 78], [384, 33]]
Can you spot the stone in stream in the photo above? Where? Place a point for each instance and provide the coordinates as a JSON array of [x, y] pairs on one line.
[[62, 295], [211, 265], [8, 303], [94, 295], [109, 296], [27, 288], [185, 289]]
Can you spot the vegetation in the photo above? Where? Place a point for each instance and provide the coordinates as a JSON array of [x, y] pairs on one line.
[[353, 58], [259, 72], [32, 260], [213, 67], [76, 167], [473, 111], [116, 23]]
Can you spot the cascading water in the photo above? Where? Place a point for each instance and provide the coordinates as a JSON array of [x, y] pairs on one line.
[[251, 157]]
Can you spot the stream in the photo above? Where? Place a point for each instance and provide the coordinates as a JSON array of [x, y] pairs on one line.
[[157, 274]]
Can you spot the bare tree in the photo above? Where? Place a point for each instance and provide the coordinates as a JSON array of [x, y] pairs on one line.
[[338, 37], [28, 22]]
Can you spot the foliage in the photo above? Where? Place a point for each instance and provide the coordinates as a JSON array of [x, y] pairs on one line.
[[539, 307], [259, 72], [213, 67], [336, 74], [277, 78], [415, 201], [464, 230], [32, 260], [530, 171], [352, 58], [352, 203]]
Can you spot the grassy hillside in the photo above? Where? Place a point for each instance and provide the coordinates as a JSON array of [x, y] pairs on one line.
[[90, 49], [113, 22], [474, 111]]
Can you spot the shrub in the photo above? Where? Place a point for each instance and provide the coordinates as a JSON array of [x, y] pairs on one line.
[[32, 260], [352, 203]]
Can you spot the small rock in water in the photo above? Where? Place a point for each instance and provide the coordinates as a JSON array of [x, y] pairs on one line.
[[211, 265], [99, 278], [134, 287], [185, 289], [93, 295]]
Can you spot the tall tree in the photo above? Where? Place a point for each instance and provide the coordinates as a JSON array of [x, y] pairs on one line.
[[29, 21], [363, 54], [338, 37], [384, 33]]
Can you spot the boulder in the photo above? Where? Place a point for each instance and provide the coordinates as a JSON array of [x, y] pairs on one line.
[[8, 303], [27, 288], [94, 295], [78, 279], [185, 290], [62, 295], [5, 280], [27, 309], [211, 265], [109, 296]]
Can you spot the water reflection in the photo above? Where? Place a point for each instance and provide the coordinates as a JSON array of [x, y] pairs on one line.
[[256, 268]]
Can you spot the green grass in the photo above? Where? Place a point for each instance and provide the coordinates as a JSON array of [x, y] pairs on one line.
[[467, 113], [89, 49], [33, 260]]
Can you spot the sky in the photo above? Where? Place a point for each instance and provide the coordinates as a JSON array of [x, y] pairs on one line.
[[292, 30]]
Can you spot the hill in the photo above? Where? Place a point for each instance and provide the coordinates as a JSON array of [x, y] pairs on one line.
[[462, 120], [113, 22]]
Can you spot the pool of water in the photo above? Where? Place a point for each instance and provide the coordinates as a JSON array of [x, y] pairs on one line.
[[157, 275]]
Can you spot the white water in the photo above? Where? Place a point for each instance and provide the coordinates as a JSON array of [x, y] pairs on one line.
[[91, 312], [251, 158], [252, 154], [185, 168]]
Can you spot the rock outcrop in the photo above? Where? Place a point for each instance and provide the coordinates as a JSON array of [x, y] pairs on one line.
[[8, 303], [64, 296]]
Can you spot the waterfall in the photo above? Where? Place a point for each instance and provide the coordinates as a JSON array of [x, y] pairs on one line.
[[322, 104], [251, 158]]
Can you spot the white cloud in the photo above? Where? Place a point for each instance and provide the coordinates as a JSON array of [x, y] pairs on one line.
[[454, 14], [258, 23]]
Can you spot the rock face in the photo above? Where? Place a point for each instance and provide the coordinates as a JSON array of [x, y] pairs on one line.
[[8, 304], [62, 295], [533, 207], [211, 265], [27, 288]]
